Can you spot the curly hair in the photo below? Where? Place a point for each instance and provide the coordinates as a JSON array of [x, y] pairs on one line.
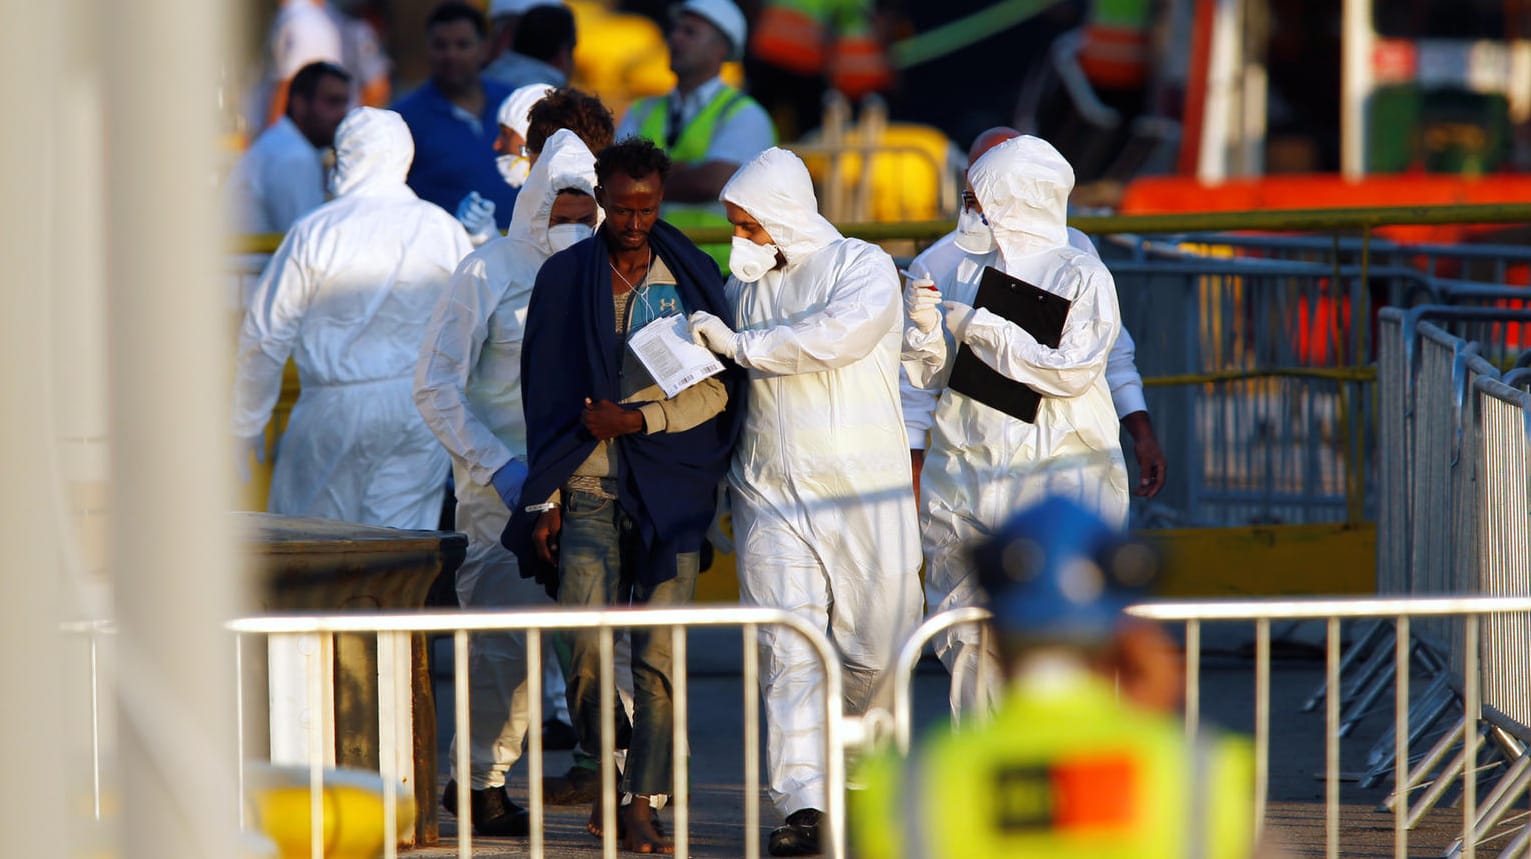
[[635, 156], [580, 112]]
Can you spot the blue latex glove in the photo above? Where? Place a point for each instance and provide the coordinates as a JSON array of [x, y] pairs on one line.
[[508, 481], [477, 217]]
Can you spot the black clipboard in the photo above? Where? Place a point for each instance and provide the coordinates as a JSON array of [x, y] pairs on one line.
[[1041, 313]]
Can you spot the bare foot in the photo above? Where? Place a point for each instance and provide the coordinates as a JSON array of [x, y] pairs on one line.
[[641, 833], [596, 824]]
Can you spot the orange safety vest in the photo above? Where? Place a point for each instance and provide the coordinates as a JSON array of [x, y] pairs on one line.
[[1115, 53], [794, 35], [790, 34]]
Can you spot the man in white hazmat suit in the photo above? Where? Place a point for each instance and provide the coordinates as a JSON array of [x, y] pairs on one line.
[[514, 163], [347, 295], [961, 257], [823, 506], [982, 464], [468, 388], [963, 254]]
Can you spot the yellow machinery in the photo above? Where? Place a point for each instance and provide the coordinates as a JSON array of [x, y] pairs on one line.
[[877, 171], [352, 811]]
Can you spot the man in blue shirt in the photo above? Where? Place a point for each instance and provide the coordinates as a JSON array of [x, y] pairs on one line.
[[454, 116]]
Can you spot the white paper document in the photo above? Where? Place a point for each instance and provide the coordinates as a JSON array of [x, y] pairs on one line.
[[665, 348]]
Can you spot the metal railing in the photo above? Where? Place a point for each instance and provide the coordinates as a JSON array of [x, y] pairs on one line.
[[393, 631], [1488, 658], [1432, 503], [1426, 372], [1455, 515], [1259, 378]]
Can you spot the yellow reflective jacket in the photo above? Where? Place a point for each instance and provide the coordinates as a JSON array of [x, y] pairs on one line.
[[1067, 773]]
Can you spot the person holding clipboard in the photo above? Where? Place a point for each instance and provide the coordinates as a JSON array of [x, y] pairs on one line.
[[1018, 356]]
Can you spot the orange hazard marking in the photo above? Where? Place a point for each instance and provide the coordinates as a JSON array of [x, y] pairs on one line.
[[1095, 793]]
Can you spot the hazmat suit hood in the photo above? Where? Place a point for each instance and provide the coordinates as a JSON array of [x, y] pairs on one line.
[[776, 189], [516, 109], [565, 163], [1023, 186], [373, 151]]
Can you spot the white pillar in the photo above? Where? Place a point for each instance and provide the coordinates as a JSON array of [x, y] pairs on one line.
[[1222, 121], [175, 578], [1254, 87], [35, 788], [1356, 85]]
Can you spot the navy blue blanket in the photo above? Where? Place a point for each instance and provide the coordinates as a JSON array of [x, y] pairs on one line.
[[667, 481]]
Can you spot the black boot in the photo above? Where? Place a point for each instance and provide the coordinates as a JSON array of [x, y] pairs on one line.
[[799, 836], [495, 815]]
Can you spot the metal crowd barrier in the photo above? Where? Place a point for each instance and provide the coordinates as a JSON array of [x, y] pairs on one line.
[[1429, 504], [1484, 263], [1424, 372], [1408, 337], [1487, 654], [1455, 514], [1259, 379], [394, 630]]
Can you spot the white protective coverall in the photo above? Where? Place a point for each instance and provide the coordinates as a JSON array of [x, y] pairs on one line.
[[822, 497], [468, 388], [347, 295], [982, 464], [945, 262]]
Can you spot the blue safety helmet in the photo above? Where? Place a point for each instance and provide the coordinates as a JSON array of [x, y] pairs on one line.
[[1056, 572]]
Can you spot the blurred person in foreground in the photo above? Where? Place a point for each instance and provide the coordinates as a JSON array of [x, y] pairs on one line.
[[348, 294], [707, 127], [280, 178], [984, 464], [623, 479], [454, 118], [823, 502], [468, 389], [1066, 767]]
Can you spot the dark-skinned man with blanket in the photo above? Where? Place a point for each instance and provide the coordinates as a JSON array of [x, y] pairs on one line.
[[623, 479]]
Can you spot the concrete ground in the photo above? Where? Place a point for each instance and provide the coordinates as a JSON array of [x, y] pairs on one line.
[[1296, 811]]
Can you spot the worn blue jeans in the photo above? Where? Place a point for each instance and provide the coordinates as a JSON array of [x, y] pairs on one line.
[[595, 570]]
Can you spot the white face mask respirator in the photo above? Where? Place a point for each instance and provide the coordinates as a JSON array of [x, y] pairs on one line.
[[514, 169], [566, 236], [973, 232], [748, 261]]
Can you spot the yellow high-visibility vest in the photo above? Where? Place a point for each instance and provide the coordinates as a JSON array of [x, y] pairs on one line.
[[690, 147], [1068, 774]]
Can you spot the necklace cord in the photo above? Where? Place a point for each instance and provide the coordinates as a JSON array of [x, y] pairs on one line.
[[647, 267]]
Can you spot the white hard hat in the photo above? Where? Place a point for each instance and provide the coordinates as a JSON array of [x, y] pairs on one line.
[[517, 7], [723, 14]]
